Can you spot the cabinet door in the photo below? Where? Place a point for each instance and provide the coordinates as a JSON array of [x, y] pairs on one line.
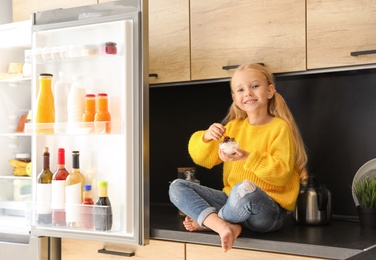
[[212, 252], [336, 28], [78, 249], [228, 32], [169, 41], [22, 9]]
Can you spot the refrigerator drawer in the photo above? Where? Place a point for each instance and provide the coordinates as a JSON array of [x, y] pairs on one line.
[[36, 248]]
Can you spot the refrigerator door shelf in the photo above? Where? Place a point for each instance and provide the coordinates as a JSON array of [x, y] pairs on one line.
[[78, 53], [92, 218], [73, 128]]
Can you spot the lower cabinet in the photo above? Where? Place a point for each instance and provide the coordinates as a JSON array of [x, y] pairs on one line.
[[74, 249], [194, 252]]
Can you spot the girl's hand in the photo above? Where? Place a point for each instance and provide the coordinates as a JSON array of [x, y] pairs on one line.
[[214, 132], [239, 154]]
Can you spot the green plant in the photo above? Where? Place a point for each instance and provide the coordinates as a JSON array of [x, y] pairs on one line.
[[365, 192]]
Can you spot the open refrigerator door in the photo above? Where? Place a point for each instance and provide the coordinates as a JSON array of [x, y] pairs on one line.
[[102, 45]]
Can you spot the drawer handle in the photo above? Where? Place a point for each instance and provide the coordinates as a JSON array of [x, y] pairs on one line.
[[153, 75], [104, 251], [357, 53], [231, 67]]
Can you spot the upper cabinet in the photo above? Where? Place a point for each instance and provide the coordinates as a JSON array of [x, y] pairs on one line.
[[340, 33], [169, 54], [22, 9], [228, 32]]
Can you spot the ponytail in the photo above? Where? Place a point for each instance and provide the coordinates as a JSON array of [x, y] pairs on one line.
[[279, 108]]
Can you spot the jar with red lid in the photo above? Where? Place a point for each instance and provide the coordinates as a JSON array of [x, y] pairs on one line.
[[110, 48]]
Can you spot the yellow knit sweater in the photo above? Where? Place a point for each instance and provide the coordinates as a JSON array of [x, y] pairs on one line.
[[270, 164]]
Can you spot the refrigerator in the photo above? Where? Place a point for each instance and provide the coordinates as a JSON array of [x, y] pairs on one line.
[[106, 46]]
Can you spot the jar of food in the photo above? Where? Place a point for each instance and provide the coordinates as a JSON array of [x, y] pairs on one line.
[[23, 157], [110, 48]]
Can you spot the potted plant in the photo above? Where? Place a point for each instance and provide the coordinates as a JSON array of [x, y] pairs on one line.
[[365, 191]]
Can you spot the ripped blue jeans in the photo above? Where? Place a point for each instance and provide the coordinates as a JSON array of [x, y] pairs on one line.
[[247, 205]]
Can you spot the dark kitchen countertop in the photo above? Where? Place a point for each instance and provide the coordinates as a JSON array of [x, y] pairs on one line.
[[340, 239]]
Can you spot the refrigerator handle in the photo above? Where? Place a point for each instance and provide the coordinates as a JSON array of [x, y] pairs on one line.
[[104, 251]]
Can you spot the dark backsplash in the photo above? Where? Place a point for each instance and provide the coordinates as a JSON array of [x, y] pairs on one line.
[[336, 113]]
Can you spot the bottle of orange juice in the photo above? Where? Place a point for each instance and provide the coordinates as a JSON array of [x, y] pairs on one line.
[[89, 114], [45, 108], [102, 116]]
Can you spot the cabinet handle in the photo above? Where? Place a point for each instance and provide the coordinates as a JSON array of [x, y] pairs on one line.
[[153, 75], [357, 53], [231, 67], [104, 251]]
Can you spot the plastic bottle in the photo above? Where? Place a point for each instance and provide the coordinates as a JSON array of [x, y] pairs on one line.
[[102, 116], [45, 112], [73, 193], [58, 190], [44, 178], [89, 113], [87, 209], [76, 100], [61, 90], [103, 209]]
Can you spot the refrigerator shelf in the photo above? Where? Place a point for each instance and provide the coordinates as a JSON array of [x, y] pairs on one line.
[[73, 53], [14, 177], [13, 82], [73, 128]]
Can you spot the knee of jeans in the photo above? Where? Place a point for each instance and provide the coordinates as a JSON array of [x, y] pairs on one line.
[[174, 189], [245, 187]]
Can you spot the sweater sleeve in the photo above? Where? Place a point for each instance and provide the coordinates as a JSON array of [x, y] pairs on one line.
[[274, 165], [203, 154]]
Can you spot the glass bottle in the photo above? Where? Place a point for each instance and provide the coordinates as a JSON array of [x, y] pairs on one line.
[[45, 108], [102, 209], [89, 114], [87, 209], [73, 193], [44, 178], [58, 190], [102, 116]]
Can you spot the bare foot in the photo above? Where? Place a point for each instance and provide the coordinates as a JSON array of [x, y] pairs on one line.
[[228, 235], [228, 232], [192, 225]]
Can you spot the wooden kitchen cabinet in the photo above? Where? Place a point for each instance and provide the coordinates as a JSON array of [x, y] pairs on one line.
[[229, 32], [335, 28], [169, 46], [203, 252], [169, 50], [22, 9], [73, 249]]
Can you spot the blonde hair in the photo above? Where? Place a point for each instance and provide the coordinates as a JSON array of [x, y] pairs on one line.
[[277, 108]]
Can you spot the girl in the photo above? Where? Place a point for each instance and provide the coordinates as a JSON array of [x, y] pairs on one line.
[[261, 178]]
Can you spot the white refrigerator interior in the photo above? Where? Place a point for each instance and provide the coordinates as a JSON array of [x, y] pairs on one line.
[[16, 242], [103, 45]]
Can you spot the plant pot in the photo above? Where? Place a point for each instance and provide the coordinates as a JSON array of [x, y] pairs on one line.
[[367, 217]]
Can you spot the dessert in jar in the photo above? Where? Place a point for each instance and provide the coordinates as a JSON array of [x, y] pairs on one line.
[[228, 145]]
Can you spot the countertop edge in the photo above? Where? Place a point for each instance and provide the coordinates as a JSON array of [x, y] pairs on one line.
[[208, 238]]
